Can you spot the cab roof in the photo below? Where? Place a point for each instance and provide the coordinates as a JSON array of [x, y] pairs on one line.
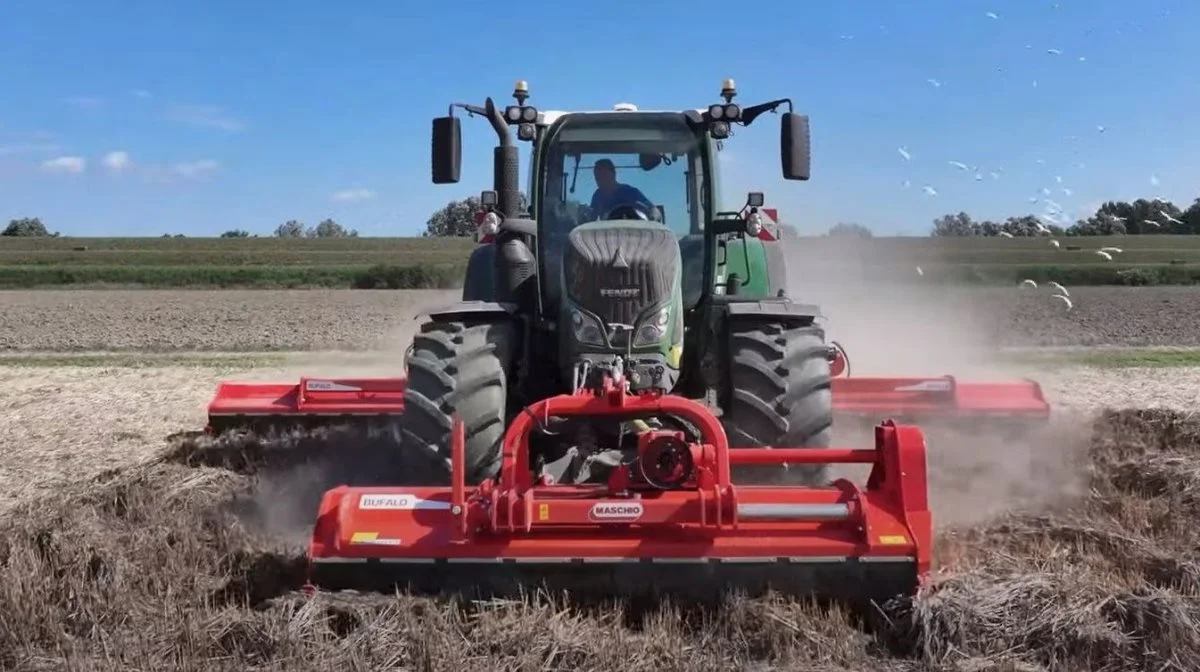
[[548, 117]]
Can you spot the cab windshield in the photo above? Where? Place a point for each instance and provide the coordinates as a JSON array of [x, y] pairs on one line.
[[622, 166]]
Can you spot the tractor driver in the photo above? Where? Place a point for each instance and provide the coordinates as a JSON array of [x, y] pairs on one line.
[[610, 193]]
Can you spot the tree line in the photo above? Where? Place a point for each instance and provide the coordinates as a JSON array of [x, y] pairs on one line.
[[457, 218], [1141, 217], [32, 227]]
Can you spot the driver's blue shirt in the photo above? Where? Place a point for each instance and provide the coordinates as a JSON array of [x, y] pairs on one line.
[[624, 194]]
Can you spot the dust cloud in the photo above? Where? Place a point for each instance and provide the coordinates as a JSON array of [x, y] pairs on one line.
[[385, 355], [893, 323]]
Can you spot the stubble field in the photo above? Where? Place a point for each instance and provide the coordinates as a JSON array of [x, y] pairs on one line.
[[128, 542]]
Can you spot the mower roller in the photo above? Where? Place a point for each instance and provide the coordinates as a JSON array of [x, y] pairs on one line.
[[627, 388]]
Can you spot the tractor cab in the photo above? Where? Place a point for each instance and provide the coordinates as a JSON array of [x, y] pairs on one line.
[[629, 170], [627, 167]]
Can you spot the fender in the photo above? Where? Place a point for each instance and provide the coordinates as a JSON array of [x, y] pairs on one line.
[[784, 310], [470, 309], [479, 284]]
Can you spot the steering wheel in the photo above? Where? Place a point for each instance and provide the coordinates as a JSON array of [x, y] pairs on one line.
[[630, 211]]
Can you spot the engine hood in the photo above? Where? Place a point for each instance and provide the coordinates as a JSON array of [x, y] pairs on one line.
[[616, 270]]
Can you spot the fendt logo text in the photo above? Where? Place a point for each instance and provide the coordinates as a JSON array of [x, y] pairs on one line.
[[609, 512]]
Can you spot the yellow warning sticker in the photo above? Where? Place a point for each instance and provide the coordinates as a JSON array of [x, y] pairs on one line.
[[673, 356], [363, 537], [543, 512], [893, 540]]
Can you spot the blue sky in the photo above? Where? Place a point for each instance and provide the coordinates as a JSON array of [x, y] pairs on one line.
[[140, 117]]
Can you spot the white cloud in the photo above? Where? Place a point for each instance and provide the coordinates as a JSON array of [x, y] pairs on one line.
[[353, 195], [117, 161], [65, 164], [86, 102], [195, 170], [206, 116]]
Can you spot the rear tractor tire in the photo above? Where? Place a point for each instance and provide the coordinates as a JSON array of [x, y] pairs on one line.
[[780, 395], [457, 369]]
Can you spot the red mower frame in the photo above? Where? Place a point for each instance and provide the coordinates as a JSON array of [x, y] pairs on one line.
[[702, 516]]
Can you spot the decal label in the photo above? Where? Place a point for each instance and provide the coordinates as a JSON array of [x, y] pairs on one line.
[[543, 512], [329, 386], [616, 512], [893, 540], [399, 501], [927, 386], [372, 538]]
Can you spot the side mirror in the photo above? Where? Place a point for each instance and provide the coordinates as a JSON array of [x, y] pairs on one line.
[[794, 152], [447, 150]]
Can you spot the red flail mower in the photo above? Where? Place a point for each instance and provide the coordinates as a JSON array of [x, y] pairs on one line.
[[670, 521]]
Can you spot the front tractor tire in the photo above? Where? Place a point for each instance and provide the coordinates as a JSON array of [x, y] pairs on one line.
[[456, 369], [779, 395]]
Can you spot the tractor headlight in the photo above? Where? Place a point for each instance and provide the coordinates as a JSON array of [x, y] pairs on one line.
[[490, 225], [652, 329], [754, 224], [586, 328]]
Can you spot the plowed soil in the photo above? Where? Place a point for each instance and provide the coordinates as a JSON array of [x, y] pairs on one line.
[[192, 560], [140, 320], [129, 542]]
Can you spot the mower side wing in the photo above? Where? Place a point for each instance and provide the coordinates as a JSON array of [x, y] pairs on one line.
[[940, 397]]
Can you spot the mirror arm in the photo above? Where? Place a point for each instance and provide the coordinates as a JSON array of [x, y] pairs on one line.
[[493, 115], [472, 110], [751, 113]]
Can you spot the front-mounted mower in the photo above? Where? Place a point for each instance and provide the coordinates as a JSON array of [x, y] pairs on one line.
[[627, 381]]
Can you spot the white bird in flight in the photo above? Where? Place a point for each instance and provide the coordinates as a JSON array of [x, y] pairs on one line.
[[1005, 234], [930, 190], [992, 15], [1029, 283], [1060, 288], [1065, 300], [1054, 243], [1151, 222], [1169, 218], [1111, 250], [1102, 253], [904, 153]]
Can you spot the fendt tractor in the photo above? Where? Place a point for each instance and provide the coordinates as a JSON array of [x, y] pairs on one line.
[[626, 392], [632, 272]]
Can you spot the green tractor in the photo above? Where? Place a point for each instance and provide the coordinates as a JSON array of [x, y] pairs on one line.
[[644, 277]]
